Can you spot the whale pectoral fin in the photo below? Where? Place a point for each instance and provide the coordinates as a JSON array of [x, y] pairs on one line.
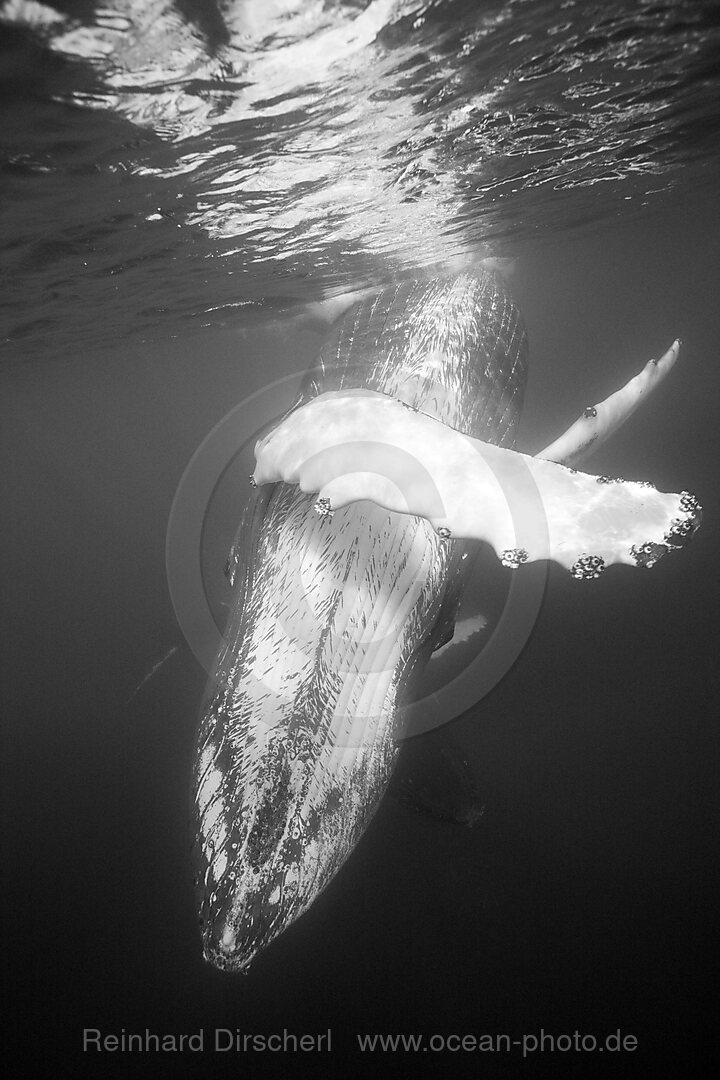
[[350, 446], [444, 633], [599, 421], [434, 778], [445, 625], [595, 521]]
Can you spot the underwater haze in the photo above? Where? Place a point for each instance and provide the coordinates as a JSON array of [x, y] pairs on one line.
[[182, 185]]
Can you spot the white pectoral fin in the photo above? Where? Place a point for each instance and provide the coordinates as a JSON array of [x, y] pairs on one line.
[[356, 445], [599, 421], [595, 521]]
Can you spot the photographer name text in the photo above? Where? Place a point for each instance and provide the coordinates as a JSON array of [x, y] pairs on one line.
[[219, 1040]]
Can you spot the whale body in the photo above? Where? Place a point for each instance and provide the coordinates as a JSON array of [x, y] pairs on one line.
[[298, 735]]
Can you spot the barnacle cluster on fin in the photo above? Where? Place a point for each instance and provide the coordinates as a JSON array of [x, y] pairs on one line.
[[588, 567], [349, 446], [682, 528], [513, 557]]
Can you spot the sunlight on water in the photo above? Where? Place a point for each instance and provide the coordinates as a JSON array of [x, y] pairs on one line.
[[196, 159]]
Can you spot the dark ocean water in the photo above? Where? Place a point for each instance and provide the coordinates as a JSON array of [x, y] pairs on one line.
[[174, 197]]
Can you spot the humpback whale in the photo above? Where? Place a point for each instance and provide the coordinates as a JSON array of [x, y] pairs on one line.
[[366, 499]]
